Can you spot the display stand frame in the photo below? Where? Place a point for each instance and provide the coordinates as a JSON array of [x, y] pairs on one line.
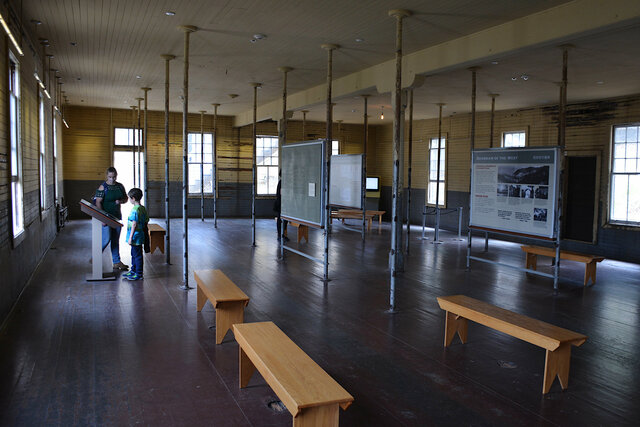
[[101, 270]]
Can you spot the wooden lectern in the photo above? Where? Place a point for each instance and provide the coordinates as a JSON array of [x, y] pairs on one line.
[[101, 267]]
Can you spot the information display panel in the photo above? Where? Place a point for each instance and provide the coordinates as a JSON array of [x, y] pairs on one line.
[[303, 181], [345, 181], [515, 190]]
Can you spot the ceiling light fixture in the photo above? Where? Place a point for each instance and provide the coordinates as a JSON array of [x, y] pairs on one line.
[[170, 13], [599, 82], [514, 78], [494, 62], [524, 77], [359, 40], [36, 22], [65, 123], [10, 34], [38, 79], [138, 76], [46, 92], [382, 112]]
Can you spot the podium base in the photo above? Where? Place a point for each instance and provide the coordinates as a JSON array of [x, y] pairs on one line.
[[105, 277]]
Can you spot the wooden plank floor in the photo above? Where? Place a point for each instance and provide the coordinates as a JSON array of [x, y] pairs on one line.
[[79, 353]]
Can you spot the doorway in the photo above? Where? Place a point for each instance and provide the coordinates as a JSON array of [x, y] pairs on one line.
[[581, 197], [126, 163]]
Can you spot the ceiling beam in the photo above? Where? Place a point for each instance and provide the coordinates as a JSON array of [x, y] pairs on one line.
[[548, 27]]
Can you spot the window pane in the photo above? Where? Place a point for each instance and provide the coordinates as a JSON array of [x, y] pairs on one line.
[[620, 187], [194, 178], [619, 151], [630, 165], [273, 180], [431, 199], [634, 198], [208, 178], [441, 195], [208, 158], [507, 140], [620, 134], [632, 134], [618, 165], [262, 183], [632, 150]]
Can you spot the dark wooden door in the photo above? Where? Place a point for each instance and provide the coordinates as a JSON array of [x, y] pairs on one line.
[[578, 221]]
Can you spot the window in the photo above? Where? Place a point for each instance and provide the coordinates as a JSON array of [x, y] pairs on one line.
[[54, 141], [43, 160], [126, 137], [434, 179], [335, 147], [126, 159], [198, 162], [625, 176], [514, 139], [17, 213], [267, 162]]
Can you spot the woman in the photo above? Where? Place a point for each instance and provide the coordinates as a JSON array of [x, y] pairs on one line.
[[109, 196]]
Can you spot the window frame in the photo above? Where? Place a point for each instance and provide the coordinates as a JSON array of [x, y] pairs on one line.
[[199, 162], [271, 166], [443, 150], [42, 150], [630, 225], [511, 132], [16, 192]]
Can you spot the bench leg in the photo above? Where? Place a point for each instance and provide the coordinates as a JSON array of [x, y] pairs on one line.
[[590, 272], [247, 368], [453, 324], [201, 299], [532, 261], [305, 233], [557, 363], [227, 314], [318, 416]]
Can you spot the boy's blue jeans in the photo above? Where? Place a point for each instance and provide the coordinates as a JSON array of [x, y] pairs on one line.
[[113, 235], [136, 260]]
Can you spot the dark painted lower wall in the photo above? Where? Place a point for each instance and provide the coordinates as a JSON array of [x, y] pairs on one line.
[[17, 264], [612, 243], [234, 200]]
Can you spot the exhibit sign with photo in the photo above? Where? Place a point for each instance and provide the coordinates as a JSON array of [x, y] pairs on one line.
[[515, 190]]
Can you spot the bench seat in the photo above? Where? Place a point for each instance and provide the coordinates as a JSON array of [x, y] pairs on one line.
[[312, 397], [555, 340], [228, 300], [156, 237], [590, 261]]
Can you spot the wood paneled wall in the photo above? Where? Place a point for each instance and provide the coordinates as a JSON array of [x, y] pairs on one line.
[[88, 143]]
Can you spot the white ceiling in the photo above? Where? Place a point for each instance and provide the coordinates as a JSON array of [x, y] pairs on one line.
[[118, 40]]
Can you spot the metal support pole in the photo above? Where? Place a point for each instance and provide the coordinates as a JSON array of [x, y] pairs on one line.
[[436, 234], [493, 112], [424, 220], [460, 223], [253, 162], [133, 142], [202, 164], [399, 15], [167, 238], [187, 29], [215, 165], [304, 119], [364, 166], [327, 214], [144, 138], [486, 242], [139, 144], [409, 170], [562, 108], [282, 140], [474, 71]]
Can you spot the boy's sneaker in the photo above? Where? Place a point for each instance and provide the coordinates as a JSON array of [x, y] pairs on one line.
[[134, 277], [120, 266], [128, 274]]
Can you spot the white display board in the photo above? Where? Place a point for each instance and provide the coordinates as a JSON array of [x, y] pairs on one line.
[[345, 181], [515, 190]]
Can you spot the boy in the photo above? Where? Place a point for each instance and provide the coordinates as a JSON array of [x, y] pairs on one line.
[[137, 220]]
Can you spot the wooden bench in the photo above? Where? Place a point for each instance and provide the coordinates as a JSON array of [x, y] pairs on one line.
[[228, 300], [308, 392], [343, 214], [156, 237], [557, 341], [303, 230], [590, 261]]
